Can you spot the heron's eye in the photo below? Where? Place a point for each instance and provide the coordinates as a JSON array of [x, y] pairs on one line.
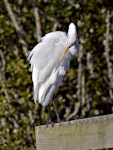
[[71, 44]]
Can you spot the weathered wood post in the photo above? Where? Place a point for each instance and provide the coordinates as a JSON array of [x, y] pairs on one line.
[[83, 134]]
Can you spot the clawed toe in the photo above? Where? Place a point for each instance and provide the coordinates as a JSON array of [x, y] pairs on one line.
[[49, 122]]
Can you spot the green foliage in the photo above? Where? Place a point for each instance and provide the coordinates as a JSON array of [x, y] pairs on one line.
[[18, 113]]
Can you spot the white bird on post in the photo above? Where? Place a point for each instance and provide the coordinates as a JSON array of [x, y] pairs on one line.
[[50, 59]]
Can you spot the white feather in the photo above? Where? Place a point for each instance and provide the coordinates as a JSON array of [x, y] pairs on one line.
[[47, 72]]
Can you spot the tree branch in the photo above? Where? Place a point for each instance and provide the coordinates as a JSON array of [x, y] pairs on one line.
[[17, 27], [2, 78], [37, 21], [55, 26], [90, 63], [107, 55]]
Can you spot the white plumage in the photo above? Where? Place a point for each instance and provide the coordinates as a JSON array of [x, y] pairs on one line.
[[48, 68]]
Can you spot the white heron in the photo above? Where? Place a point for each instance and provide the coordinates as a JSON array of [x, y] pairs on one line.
[[50, 59]]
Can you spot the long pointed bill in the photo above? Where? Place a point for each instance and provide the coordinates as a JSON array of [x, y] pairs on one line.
[[63, 53]]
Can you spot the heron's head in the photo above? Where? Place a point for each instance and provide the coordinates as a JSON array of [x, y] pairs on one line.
[[72, 40], [72, 36]]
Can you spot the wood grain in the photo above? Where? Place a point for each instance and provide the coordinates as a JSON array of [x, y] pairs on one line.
[[83, 134]]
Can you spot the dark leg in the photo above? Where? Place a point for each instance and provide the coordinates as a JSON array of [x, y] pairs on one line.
[[56, 111], [49, 121]]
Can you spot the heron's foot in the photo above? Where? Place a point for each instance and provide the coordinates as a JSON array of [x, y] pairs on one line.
[[56, 111], [49, 121], [58, 120]]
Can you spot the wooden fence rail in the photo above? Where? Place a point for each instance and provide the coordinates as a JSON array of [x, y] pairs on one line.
[[84, 134]]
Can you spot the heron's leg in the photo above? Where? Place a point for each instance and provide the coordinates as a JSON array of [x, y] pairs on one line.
[[49, 121], [56, 111]]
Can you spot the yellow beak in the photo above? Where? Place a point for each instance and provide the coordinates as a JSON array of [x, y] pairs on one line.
[[63, 53]]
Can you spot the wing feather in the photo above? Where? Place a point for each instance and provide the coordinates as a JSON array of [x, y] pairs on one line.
[[44, 57]]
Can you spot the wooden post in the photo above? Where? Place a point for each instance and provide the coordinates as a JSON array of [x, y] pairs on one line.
[[82, 134]]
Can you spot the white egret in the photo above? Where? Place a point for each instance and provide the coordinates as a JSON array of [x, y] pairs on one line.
[[50, 59]]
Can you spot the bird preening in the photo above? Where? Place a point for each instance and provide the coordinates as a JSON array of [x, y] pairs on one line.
[[50, 59]]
